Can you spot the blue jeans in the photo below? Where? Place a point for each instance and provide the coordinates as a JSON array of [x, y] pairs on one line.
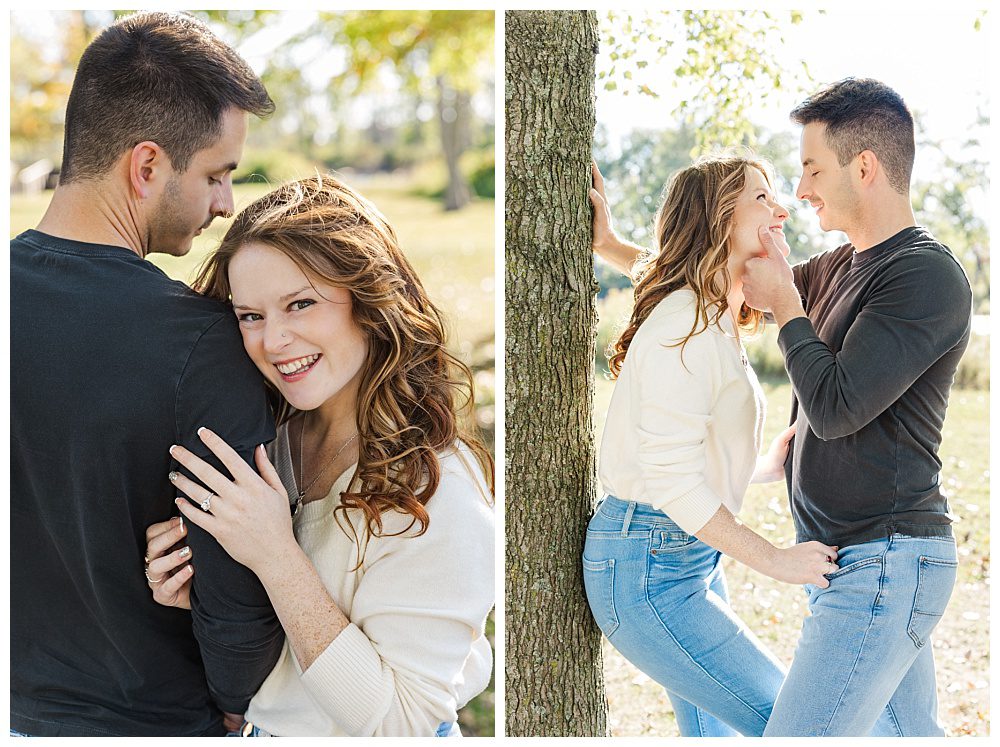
[[659, 595], [866, 643]]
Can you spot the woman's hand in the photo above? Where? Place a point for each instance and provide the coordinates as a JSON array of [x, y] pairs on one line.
[[771, 466], [604, 233], [249, 515], [169, 571], [805, 563], [605, 243]]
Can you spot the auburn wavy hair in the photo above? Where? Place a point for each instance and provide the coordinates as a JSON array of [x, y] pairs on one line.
[[692, 230], [414, 393]]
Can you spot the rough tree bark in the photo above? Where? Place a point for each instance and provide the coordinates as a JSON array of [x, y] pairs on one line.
[[555, 685]]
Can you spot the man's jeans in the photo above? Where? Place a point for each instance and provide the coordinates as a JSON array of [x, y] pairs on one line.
[[660, 597], [867, 643]]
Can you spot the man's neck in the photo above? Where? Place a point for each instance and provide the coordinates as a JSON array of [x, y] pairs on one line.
[[88, 213], [883, 222]]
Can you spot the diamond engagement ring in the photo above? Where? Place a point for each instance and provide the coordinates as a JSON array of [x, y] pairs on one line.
[[206, 505]]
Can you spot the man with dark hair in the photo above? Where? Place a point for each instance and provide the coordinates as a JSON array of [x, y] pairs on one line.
[[112, 363], [864, 114], [871, 366], [872, 333]]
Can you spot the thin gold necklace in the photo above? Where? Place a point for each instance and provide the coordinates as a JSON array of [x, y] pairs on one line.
[[302, 491]]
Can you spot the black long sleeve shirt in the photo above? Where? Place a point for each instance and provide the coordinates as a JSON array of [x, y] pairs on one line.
[[111, 363], [871, 369]]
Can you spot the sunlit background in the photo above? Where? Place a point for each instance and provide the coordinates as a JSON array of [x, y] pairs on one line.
[[399, 103], [674, 84]]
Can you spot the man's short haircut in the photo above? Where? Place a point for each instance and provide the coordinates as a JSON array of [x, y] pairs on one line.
[[162, 77], [864, 114]]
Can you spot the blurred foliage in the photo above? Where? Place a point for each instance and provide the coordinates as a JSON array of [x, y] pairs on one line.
[[272, 166], [40, 80], [424, 46], [430, 178], [948, 204], [355, 89], [722, 50]]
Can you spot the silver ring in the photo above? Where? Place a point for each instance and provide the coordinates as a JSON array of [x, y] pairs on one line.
[[206, 505], [146, 573]]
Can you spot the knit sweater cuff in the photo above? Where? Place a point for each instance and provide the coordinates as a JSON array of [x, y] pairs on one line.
[[796, 331], [348, 679], [692, 510]]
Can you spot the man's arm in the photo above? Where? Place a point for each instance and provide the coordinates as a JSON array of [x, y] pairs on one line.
[[919, 311], [236, 627]]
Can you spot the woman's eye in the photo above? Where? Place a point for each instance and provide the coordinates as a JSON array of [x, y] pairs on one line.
[[762, 195], [814, 173], [249, 317], [214, 181], [302, 304]]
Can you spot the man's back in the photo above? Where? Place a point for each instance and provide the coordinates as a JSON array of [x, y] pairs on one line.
[[112, 363]]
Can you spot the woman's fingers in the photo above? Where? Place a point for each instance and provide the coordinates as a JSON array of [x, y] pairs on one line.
[[155, 530], [238, 468], [196, 516], [267, 470], [597, 177], [209, 475], [164, 565], [163, 541], [196, 492], [171, 591], [827, 552]]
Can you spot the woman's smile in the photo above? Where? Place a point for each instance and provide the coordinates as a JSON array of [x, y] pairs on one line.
[[297, 368]]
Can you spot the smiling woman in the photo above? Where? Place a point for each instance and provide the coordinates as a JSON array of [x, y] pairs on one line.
[[391, 530]]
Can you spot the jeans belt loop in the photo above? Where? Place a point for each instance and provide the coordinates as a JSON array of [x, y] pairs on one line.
[[628, 518]]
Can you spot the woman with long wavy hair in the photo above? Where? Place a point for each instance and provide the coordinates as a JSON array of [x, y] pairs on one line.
[[370, 523], [680, 447]]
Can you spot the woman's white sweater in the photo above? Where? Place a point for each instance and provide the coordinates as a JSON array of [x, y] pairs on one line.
[[683, 429], [415, 651]]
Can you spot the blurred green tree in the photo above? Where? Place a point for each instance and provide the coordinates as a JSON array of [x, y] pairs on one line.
[[440, 55], [41, 73], [951, 205], [433, 60], [720, 50]]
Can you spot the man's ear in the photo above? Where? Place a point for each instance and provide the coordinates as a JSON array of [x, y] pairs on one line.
[[867, 167], [146, 168]]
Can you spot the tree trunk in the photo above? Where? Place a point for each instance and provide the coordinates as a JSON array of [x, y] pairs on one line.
[[453, 116], [555, 684]]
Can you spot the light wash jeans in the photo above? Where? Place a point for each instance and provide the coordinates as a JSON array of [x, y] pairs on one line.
[[867, 643], [659, 595]]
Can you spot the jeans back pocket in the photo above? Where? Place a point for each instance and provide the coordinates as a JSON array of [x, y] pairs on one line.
[[599, 582], [935, 583], [665, 541]]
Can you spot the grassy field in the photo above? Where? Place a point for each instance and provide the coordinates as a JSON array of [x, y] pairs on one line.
[[453, 254], [639, 707]]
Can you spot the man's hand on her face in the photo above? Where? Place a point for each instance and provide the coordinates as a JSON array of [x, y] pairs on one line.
[[767, 279]]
